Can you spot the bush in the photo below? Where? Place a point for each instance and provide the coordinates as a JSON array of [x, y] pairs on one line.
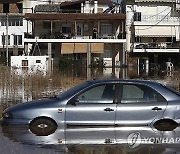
[[65, 63]]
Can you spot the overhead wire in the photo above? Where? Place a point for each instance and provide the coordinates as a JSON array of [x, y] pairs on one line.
[[157, 22]]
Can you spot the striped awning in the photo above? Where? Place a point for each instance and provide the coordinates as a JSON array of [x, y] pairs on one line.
[[70, 48]]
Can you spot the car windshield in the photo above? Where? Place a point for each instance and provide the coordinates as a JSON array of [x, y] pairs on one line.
[[74, 90]]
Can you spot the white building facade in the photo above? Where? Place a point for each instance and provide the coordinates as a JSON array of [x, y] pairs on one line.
[[14, 27], [153, 30], [29, 64]]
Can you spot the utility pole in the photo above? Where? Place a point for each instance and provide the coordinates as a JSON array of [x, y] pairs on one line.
[[7, 24]]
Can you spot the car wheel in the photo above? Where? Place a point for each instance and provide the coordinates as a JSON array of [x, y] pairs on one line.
[[165, 125], [43, 126]]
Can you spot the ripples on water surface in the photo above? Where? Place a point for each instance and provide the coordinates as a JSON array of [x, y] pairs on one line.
[[119, 140], [123, 140]]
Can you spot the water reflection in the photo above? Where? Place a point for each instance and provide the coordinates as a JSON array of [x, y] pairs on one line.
[[101, 139]]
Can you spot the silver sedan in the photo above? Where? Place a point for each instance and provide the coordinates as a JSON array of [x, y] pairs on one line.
[[108, 102]]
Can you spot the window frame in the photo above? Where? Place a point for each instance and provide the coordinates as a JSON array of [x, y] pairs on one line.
[[160, 98], [75, 100]]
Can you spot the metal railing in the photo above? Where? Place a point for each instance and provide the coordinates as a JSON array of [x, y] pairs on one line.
[[161, 18], [159, 45], [58, 35]]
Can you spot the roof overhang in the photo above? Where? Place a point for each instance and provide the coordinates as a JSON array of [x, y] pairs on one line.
[[74, 40], [10, 1], [74, 16]]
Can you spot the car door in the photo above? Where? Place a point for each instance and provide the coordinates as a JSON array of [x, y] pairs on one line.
[[139, 105], [94, 106]]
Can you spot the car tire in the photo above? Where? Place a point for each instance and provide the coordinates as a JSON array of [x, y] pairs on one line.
[[42, 126], [165, 125]]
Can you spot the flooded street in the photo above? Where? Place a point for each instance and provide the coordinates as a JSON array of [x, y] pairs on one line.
[[98, 140], [119, 140]]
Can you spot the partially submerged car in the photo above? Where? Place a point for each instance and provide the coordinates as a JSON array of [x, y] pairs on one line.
[[107, 102]]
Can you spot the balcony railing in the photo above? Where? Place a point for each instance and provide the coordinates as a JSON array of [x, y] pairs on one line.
[[58, 35], [161, 18], [159, 45]]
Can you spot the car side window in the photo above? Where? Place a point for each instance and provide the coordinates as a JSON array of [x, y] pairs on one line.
[[132, 93], [98, 94]]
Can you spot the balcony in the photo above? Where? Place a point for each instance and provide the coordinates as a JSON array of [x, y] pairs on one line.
[[157, 47], [59, 35], [165, 1], [160, 19]]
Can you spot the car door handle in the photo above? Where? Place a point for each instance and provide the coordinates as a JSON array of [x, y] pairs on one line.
[[156, 109], [108, 109]]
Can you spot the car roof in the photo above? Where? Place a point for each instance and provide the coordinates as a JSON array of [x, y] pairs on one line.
[[140, 81], [159, 87]]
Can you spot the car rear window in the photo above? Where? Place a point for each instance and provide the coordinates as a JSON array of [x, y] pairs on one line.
[[172, 90]]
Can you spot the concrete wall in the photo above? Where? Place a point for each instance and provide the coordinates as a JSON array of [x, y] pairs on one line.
[[35, 63]]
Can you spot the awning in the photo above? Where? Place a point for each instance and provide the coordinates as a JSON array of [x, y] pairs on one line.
[[152, 1], [155, 31], [70, 48]]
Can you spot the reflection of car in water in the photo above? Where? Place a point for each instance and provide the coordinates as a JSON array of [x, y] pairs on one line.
[[138, 139], [109, 102]]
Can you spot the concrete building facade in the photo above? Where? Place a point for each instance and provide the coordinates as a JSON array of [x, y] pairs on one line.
[[153, 31]]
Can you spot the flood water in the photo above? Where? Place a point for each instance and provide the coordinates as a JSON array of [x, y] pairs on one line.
[[115, 140], [105, 140]]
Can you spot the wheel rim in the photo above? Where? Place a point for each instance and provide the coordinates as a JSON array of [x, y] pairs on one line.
[[42, 127]]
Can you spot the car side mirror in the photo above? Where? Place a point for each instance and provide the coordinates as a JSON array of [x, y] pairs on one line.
[[74, 101]]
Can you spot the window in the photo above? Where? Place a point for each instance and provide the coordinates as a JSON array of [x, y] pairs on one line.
[[3, 22], [17, 39], [170, 39], [79, 31], [106, 29], [12, 21], [46, 24], [5, 7], [4, 39], [24, 62], [99, 94], [138, 39], [138, 93], [107, 54], [66, 28], [38, 61], [137, 16]]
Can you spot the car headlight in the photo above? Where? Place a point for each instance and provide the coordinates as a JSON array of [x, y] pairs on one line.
[[7, 115]]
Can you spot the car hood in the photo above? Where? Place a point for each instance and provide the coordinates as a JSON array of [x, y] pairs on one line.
[[34, 104]]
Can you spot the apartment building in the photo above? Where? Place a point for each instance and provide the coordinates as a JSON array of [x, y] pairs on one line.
[[11, 28], [153, 31], [82, 29]]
